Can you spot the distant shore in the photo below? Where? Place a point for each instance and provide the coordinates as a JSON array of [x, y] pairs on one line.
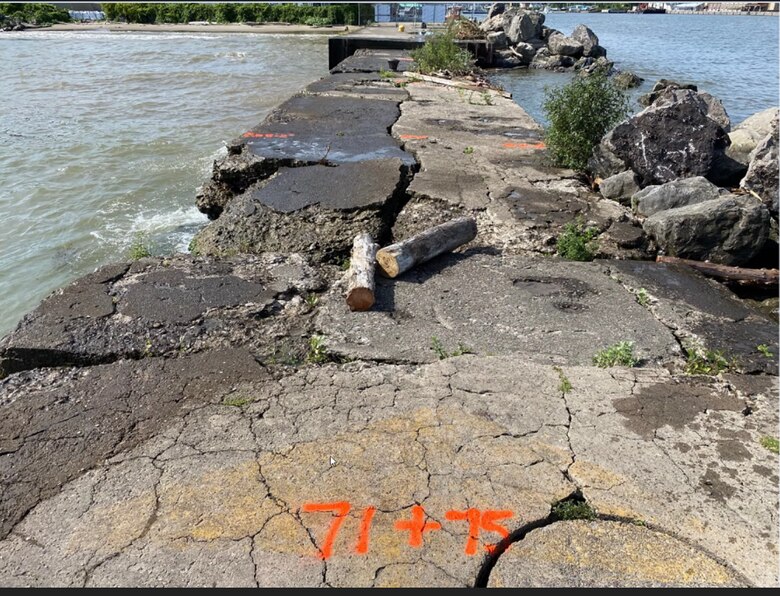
[[182, 28]]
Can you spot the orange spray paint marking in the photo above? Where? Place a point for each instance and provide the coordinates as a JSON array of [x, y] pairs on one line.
[[525, 145], [341, 509], [412, 137], [365, 528], [480, 520], [267, 135], [417, 526]]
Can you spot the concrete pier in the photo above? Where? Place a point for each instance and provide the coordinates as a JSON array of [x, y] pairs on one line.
[[223, 419]]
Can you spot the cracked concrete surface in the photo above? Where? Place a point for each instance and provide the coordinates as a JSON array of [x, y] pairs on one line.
[[216, 495]]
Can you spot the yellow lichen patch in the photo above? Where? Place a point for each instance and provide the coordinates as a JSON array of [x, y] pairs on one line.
[[284, 534], [225, 502], [589, 475], [107, 528], [580, 551]]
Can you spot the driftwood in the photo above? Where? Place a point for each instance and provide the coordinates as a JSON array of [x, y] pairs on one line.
[[459, 84], [397, 258], [360, 282], [763, 277]]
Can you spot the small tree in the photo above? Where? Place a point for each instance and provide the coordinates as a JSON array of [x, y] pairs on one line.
[[440, 52], [579, 114]]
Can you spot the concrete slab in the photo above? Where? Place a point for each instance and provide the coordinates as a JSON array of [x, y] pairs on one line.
[[316, 210], [541, 308], [240, 485], [156, 307], [704, 313], [504, 177]]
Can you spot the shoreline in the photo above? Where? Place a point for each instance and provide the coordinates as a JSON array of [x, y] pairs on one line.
[[182, 28]]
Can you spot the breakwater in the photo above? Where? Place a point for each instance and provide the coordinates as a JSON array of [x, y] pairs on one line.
[[199, 420]]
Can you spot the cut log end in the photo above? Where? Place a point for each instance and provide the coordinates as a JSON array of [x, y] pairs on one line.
[[360, 299], [388, 265]]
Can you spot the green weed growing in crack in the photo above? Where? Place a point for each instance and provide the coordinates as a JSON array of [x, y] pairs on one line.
[[619, 354], [570, 509], [317, 353], [577, 243], [442, 353], [565, 385], [387, 74], [312, 300], [705, 362], [770, 443], [345, 264], [147, 348], [237, 401], [643, 297], [140, 248], [764, 350], [468, 150]]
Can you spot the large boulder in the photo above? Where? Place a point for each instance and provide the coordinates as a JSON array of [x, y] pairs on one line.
[[663, 84], [620, 186], [746, 135], [524, 27], [730, 230], [673, 138], [527, 52], [561, 45], [679, 193], [603, 162], [495, 9], [762, 174], [498, 39], [589, 42]]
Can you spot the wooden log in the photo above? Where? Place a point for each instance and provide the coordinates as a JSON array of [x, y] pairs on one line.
[[360, 281], [727, 272], [397, 258], [451, 83]]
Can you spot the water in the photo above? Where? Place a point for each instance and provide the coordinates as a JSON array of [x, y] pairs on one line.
[[734, 58], [104, 136]]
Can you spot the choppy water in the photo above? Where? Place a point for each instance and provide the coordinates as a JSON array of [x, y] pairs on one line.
[[106, 135], [735, 58]]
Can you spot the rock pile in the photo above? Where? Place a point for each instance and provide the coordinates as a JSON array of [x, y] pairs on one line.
[[521, 39], [674, 162]]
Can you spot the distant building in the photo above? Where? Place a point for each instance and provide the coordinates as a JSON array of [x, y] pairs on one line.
[[406, 12], [87, 15]]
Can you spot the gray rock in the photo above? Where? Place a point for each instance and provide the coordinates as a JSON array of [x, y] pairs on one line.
[[603, 162], [498, 39], [627, 80], [730, 230], [678, 193], [599, 64], [620, 186], [746, 135], [495, 9], [716, 111], [589, 42], [648, 98], [561, 45], [524, 27], [673, 138], [762, 175], [527, 51]]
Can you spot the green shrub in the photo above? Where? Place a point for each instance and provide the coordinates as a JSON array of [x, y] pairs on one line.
[[35, 13], [317, 353], [620, 354], [572, 509], [579, 114], [440, 52], [577, 243], [140, 248]]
